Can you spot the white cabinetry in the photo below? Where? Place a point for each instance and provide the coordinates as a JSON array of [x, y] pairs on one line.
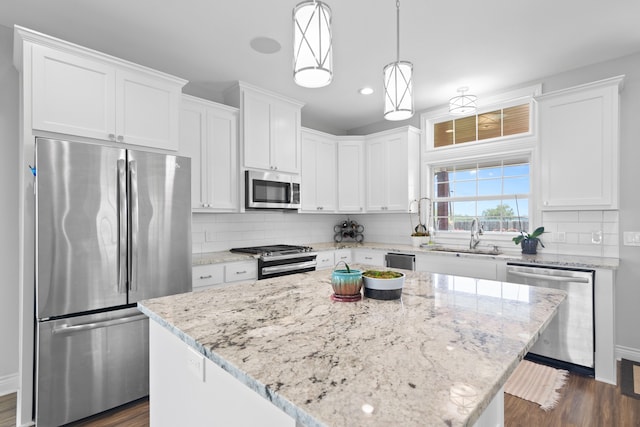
[[483, 268], [318, 175], [80, 92], [208, 134], [243, 270], [579, 147], [369, 257], [269, 128], [188, 389], [324, 260], [206, 276], [351, 175], [393, 170], [343, 255]]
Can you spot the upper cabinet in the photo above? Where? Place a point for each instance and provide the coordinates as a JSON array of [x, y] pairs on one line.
[[579, 147], [393, 169], [351, 174], [81, 92], [318, 177], [269, 128], [208, 134]]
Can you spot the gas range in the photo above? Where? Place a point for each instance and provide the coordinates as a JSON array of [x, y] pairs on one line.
[[280, 260]]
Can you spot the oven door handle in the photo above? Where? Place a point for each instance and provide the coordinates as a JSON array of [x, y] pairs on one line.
[[550, 278], [288, 267]]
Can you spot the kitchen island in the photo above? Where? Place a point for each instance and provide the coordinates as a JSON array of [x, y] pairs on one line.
[[438, 356]]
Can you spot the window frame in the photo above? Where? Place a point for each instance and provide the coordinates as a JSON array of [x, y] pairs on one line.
[[521, 146]]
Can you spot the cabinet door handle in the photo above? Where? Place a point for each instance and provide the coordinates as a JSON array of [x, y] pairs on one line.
[[368, 257], [206, 277], [120, 138], [241, 272], [112, 137]]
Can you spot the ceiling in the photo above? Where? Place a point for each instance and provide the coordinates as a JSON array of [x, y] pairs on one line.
[[488, 45]]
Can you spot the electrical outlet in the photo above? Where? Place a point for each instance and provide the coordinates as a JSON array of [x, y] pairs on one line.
[[195, 363], [631, 238], [596, 237]]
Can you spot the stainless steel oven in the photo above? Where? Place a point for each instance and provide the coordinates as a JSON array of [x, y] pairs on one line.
[[272, 190], [281, 260]]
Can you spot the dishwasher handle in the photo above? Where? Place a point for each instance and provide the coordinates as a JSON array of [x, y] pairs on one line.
[[550, 278]]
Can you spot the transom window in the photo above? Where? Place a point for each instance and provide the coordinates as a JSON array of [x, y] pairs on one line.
[[496, 192]]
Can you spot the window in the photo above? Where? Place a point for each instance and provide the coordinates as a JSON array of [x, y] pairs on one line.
[[492, 124], [496, 192]]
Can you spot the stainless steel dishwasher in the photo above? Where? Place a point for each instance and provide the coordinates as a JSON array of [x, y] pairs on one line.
[[568, 341], [404, 261]]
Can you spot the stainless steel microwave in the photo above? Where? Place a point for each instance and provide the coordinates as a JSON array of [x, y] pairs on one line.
[[271, 190]]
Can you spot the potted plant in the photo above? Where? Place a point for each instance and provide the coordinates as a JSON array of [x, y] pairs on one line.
[[383, 284], [529, 242]]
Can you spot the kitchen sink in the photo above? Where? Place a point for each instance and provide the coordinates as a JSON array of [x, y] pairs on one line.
[[468, 251]]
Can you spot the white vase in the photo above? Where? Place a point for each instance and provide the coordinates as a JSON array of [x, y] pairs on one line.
[[416, 241]]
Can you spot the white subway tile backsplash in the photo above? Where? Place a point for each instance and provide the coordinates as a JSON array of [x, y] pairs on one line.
[[560, 216], [610, 216]]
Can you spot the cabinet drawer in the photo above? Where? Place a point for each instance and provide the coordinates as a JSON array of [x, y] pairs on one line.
[[207, 275], [325, 260], [374, 258], [246, 270], [342, 255]]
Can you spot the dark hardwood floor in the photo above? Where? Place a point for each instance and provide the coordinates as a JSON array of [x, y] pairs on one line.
[[584, 403]]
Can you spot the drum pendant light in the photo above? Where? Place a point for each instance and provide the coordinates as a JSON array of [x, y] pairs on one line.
[[398, 85], [462, 104], [312, 50]]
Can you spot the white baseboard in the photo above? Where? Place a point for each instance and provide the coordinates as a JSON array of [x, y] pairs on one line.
[[628, 353], [8, 384]]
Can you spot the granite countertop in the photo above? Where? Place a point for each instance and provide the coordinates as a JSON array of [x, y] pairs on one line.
[[540, 258], [437, 356]]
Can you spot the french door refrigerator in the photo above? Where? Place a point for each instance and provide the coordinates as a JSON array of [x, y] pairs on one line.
[[113, 226]]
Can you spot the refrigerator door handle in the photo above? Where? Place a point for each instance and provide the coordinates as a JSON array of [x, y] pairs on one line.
[[122, 227], [66, 330], [133, 206]]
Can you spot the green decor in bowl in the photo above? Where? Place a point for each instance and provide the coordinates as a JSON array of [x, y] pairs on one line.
[[383, 284], [346, 284]]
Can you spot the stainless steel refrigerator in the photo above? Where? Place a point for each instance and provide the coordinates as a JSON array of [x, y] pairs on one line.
[[113, 226]]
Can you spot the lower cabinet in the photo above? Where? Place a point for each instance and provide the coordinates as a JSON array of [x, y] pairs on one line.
[[206, 276], [369, 257], [325, 259], [458, 266], [209, 275], [186, 388]]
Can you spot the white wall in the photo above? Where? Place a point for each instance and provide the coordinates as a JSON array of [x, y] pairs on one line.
[[8, 215]]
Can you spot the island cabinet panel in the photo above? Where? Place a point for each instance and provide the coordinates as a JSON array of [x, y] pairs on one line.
[[318, 175], [187, 389], [579, 147], [351, 175], [392, 170], [76, 91], [484, 268], [208, 134]]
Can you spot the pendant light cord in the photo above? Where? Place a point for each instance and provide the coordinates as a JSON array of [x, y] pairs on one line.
[[397, 30]]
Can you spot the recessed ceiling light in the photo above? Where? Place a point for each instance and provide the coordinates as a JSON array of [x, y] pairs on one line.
[[265, 45], [366, 91]]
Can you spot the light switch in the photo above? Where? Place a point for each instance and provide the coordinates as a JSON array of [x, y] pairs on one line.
[[195, 363], [631, 238]]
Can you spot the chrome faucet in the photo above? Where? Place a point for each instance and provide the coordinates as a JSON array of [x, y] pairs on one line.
[[476, 231]]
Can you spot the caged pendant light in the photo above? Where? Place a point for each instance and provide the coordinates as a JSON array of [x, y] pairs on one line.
[[398, 85], [462, 104], [312, 49]]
